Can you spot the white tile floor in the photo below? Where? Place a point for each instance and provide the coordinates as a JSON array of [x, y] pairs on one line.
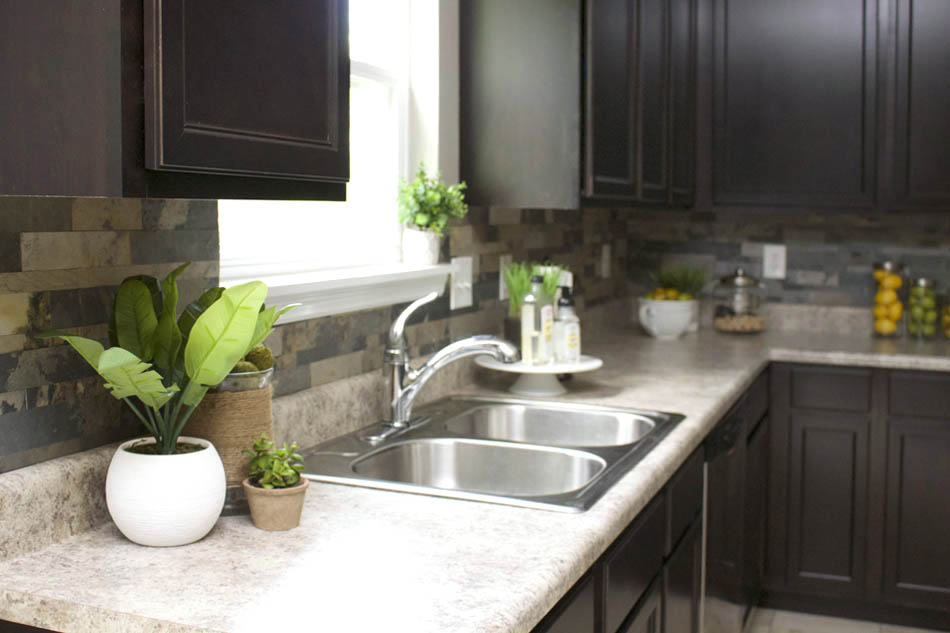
[[770, 621]]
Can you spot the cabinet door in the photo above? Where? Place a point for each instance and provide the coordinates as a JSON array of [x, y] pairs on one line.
[[682, 583], [611, 133], [917, 539], [922, 148], [648, 616], [794, 104], [575, 614], [653, 98], [827, 503], [682, 150], [245, 87]]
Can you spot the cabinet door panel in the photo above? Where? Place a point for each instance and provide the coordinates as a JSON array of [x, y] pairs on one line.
[[682, 101], [794, 102], [682, 583], [653, 95], [756, 500], [917, 540], [610, 165], [576, 615], [827, 517], [648, 617], [237, 87], [922, 165]]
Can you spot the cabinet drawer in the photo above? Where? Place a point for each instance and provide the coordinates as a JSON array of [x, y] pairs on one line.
[[633, 563], [756, 401], [832, 389], [684, 499], [919, 394]]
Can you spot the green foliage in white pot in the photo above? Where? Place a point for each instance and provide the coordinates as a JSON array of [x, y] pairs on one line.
[[169, 363], [428, 204]]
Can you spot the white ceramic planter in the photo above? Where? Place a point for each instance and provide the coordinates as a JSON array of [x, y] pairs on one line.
[[420, 247], [667, 320], [165, 500]]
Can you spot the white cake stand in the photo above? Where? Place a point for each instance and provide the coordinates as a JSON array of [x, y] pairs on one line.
[[539, 380]]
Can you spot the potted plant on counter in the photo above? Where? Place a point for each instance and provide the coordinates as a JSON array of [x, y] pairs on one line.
[[168, 489], [425, 207], [274, 488]]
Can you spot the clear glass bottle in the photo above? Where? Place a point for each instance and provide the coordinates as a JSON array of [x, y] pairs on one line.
[[567, 330], [537, 325], [888, 300], [922, 313], [739, 299]]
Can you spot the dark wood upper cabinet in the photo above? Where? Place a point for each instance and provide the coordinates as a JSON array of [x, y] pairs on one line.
[[640, 101], [167, 98], [244, 87], [795, 102], [922, 128]]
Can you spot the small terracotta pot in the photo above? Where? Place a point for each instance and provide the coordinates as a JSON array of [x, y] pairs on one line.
[[276, 508]]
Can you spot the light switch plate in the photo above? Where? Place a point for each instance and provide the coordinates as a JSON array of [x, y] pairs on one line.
[[773, 261], [504, 261], [460, 283], [605, 261]]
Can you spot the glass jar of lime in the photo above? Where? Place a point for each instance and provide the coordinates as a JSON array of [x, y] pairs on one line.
[[888, 303], [922, 309]]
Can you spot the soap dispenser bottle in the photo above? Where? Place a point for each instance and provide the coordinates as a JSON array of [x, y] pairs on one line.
[[567, 330]]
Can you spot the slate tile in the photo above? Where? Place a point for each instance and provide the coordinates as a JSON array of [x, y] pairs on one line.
[[82, 306], [43, 366], [106, 214], [154, 247], [81, 249], [291, 380], [35, 213], [14, 313], [9, 252]]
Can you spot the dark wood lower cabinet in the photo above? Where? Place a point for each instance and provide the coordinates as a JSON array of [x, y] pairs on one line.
[[859, 506], [682, 583], [648, 616]]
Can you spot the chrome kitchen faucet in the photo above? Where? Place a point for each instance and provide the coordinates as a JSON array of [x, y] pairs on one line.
[[404, 383]]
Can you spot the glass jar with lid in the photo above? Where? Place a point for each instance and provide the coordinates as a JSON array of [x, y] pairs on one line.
[[888, 300], [922, 314], [739, 299]]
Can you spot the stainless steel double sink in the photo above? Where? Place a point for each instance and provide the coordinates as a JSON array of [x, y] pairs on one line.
[[547, 455]]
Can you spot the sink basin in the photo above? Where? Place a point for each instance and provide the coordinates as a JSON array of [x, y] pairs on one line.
[[552, 425], [482, 466], [536, 454]]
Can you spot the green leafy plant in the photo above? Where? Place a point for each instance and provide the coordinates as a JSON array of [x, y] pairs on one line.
[[428, 204], [518, 281], [165, 363], [274, 468], [685, 280], [552, 277]]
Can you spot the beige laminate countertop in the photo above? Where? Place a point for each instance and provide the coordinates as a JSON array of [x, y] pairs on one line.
[[370, 560]]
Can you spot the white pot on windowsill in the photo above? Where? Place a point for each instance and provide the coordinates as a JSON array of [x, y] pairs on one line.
[[420, 248]]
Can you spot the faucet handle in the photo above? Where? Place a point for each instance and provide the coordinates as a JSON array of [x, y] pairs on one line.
[[397, 331]]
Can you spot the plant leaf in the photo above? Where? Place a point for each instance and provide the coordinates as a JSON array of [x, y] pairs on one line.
[[220, 336], [89, 349], [167, 335], [126, 375], [135, 319], [195, 309], [265, 322]]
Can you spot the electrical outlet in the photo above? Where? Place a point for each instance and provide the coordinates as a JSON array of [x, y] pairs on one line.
[[460, 283], [605, 261], [773, 261], [504, 261]]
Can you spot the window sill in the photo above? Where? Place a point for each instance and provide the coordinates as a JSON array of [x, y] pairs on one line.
[[347, 290]]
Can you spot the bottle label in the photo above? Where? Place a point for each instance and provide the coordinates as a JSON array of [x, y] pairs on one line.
[[527, 329], [547, 333]]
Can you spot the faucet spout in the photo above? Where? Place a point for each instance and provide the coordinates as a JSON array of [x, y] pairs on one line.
[[500, 349]]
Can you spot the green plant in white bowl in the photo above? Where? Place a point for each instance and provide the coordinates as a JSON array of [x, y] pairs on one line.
[[426, 205]]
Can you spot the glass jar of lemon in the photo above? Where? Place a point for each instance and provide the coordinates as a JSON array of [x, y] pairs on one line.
[[888, 300]]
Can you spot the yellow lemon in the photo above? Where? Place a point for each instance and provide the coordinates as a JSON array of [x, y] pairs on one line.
[[885, 297], [879, 274], [880, 311], [895, 310], [892, 281], [672, 293], [884, 326]]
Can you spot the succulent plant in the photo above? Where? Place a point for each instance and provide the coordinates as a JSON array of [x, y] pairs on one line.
[[274, 468]]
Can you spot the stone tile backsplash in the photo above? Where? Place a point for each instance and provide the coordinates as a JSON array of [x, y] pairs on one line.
[[61, 260]]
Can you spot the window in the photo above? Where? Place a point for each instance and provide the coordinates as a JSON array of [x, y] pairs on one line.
[[305, 250]]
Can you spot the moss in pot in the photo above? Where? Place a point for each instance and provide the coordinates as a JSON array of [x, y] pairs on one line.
[[274, 488]]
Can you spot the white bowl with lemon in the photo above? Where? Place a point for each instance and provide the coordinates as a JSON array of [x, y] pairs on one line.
[[667, 314]]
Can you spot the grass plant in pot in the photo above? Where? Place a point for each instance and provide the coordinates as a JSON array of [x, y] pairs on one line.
[[425, 207], [275, 490], [168, 489], [517, 278]]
